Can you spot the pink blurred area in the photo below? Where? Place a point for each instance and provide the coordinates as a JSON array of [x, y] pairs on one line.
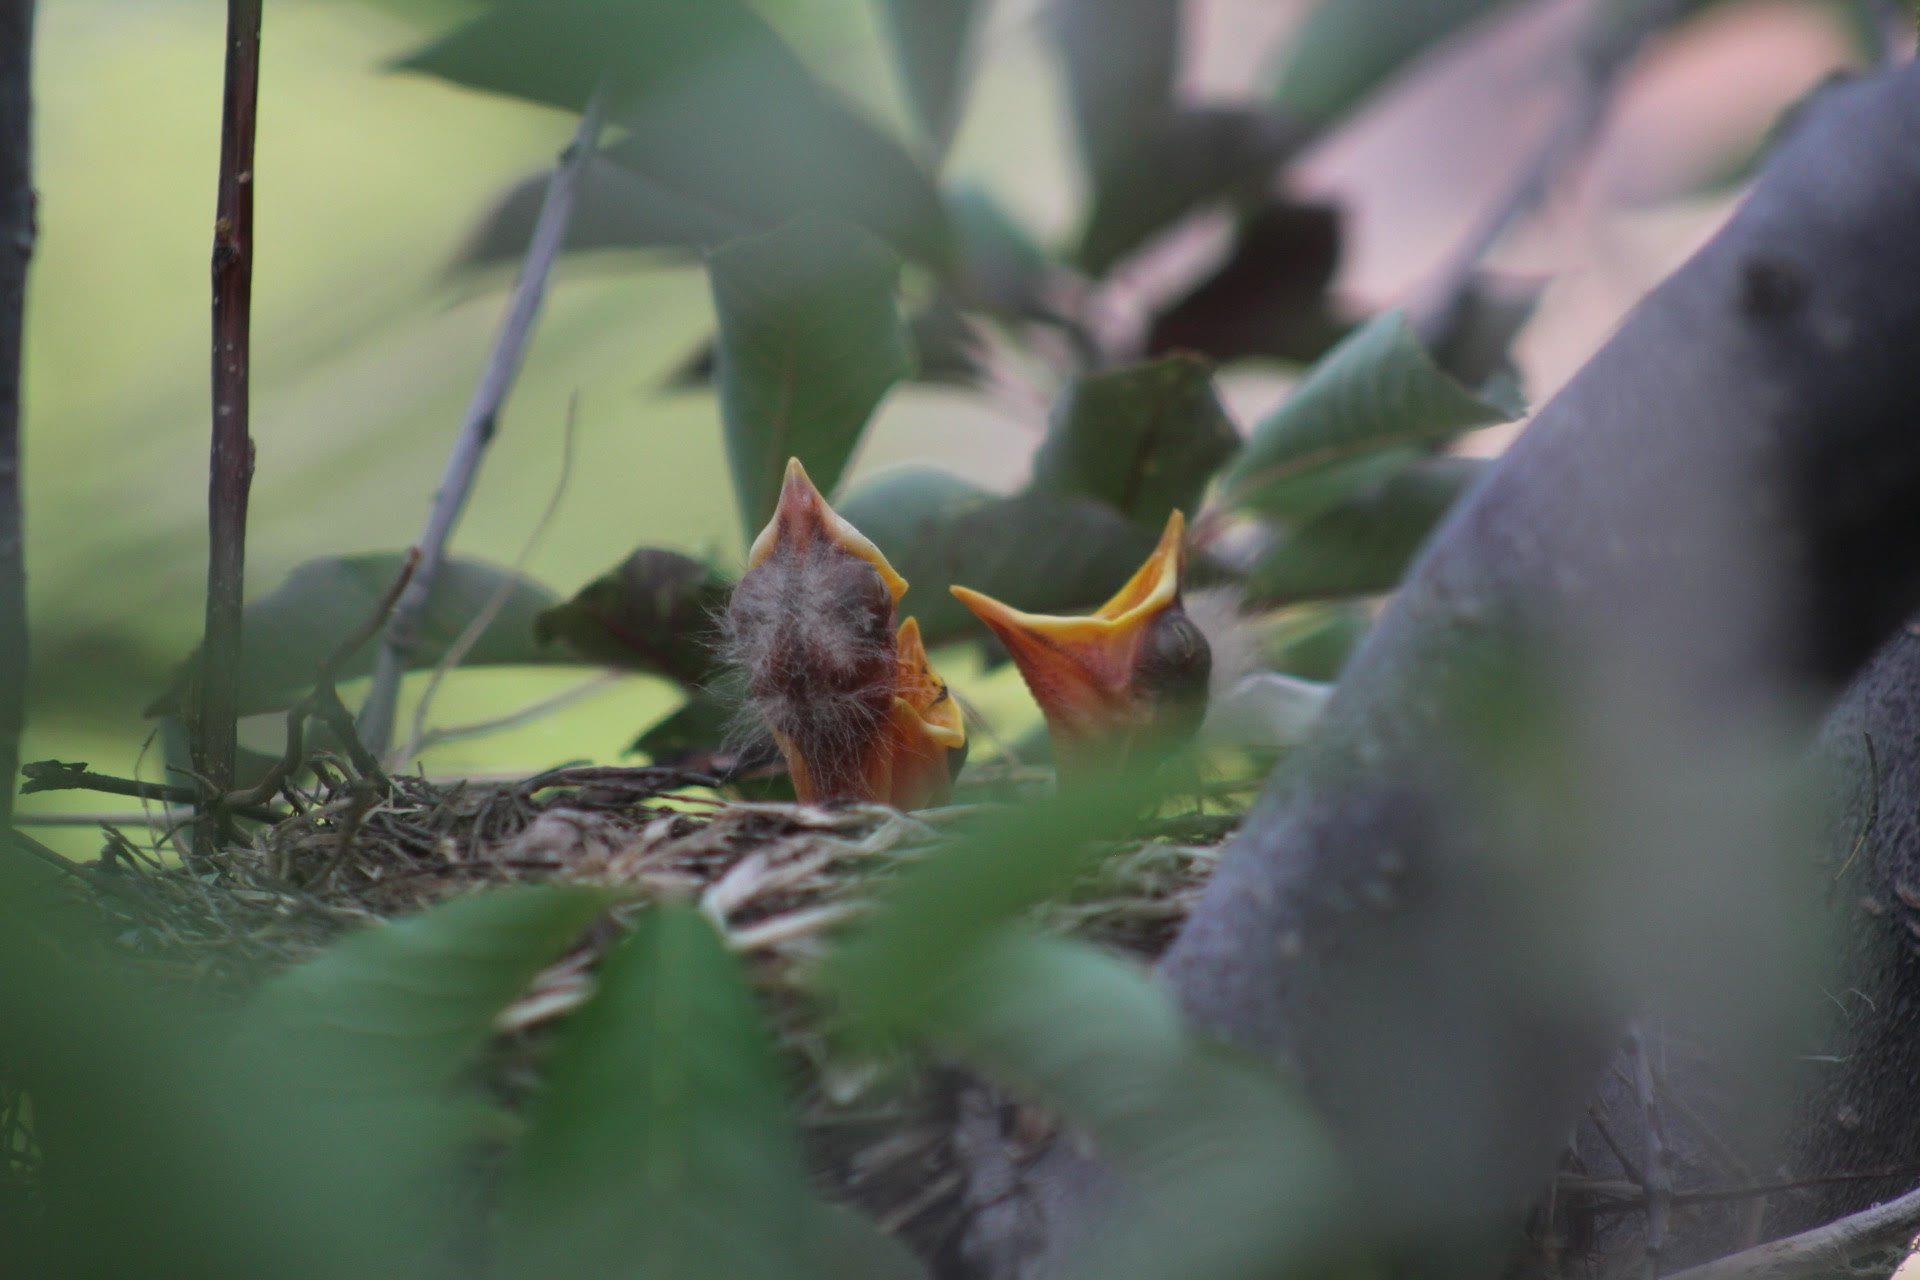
[[1418, 168]]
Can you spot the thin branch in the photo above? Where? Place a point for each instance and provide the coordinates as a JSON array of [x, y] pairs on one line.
[[16, 249], [1821, 1252], [514, 719], [457, 652], [1613, 47], [56, 775], [476, 431], [216, 711]]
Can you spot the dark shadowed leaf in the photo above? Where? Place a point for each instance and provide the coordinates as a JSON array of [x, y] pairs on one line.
[[1041, 552], [1269, 298], [1144, 439], [1473, 340], [1363, 545], [1225, 1171], [656, 612], [1193, 159], [661, 1145], [1347, 48], [291, 630], [932, 42], [1363, 410], [724, 125], [810, 339]]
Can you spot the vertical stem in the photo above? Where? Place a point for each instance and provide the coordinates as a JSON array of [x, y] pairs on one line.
[[231, 463], [16, 248]]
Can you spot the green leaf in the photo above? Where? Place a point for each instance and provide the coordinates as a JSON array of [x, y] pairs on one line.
[[1269, 298], [1346, 49], [1145, 439], [909, 957], [932, 42], [1121, 60], [1363, 545], [1224, 1170], [724, 127], [1314, 641], [661, 1145], [384, 1031], [810, 339], [656, 612], [1362, 411], [1192, 159], [290, 631], [1003, 269], [399, 1012], [1041, 552]]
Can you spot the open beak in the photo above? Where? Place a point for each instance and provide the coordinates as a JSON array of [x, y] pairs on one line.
[[803, 524], [853, 705], [926, 739], [1127, 679]]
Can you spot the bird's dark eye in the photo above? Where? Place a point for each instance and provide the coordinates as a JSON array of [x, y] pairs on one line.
[[1175, 660]]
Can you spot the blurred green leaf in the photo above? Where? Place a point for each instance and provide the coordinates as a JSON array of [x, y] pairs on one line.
[[1002, 267], [655, 612], [661, 1145], [1314, 641], [932, 42], [1145, 439], [399, 1012], [724, 126], [291, 630], [810, 339], [1224, 1172], [1040, 552], [1363, 545], [1121, 59], [1269, 298], [1361, 412], [616, 208], [1346, 49], [1188, 160], [909, 957]]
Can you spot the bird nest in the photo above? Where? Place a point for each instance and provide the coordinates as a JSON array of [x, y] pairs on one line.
[[778, 879]]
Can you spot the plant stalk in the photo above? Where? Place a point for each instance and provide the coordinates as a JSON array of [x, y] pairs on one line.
[[16, 250]]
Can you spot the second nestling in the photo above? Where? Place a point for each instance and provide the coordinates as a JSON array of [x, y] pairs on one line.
[[860, 714]]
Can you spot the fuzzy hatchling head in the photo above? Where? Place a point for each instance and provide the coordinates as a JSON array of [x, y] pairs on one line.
[[812, 626], [1126, 682]]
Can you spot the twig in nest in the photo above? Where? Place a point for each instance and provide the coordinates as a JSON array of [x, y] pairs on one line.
[[476, 430], [60, 775], [1821, 1252], [324, 701]]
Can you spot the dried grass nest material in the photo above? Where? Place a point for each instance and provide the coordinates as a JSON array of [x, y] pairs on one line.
[[777, 878]]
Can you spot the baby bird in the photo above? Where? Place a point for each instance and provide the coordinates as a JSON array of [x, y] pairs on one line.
[[1124, 685], [853, 705]]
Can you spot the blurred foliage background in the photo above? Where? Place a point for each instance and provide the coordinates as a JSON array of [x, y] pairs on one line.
[[368, 340]]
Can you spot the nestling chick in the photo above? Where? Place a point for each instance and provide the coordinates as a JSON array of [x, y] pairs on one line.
[[1123, 685], [855, 709]]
